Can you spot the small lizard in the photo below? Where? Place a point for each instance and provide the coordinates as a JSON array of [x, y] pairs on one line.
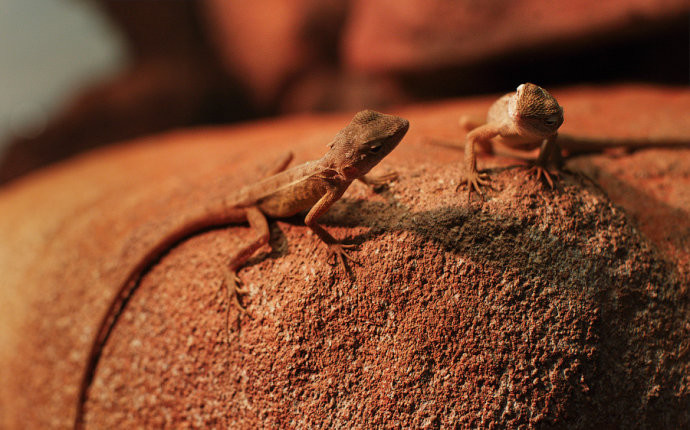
[[527, 119], [313, 186]]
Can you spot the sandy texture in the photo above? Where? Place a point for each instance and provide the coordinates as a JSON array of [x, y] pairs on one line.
[[539, 307]]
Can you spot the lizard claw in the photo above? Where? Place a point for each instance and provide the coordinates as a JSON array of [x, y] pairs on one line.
[[540, 171], [475, 181], [235, 281]]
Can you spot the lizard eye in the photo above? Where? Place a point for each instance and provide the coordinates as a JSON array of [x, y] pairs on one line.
[[375, 149], [550, 121]]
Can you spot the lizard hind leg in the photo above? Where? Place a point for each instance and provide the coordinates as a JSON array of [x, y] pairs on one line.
[[282, 164], [232, 290], [379, 180], [257, 220], [469, 123]]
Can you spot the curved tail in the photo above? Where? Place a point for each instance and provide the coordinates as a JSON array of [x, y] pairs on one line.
[[204, 221]]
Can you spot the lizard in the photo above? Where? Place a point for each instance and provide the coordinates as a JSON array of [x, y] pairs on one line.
[[313, 186], [527, 119]]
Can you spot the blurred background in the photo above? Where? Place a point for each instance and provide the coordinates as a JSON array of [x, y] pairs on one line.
[[77, 74]]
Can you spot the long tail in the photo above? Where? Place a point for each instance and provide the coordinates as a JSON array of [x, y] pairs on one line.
[[581, 144], [194, 225], [447, 143]]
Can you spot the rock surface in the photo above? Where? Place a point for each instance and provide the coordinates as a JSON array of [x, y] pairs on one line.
[[540, 307], [414, 34]]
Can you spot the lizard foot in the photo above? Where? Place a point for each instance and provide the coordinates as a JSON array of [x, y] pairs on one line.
[[475, 180], [233, 290], [539, 171], [339, 251]]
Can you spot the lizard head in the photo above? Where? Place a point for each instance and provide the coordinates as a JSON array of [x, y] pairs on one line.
[[364, 142], [535, 110]]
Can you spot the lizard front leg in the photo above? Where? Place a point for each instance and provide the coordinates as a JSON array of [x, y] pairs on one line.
[[479, 136], [549, 149], [321, 207], [469, 123]]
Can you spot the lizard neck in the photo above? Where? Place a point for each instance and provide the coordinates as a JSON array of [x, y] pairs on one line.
[[332, 165]]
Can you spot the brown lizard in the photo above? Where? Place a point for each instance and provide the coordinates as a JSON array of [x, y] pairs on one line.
[[312, 186], [527, 119]]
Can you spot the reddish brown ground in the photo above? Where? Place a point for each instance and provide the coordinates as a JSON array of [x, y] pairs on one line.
[[538, 308]]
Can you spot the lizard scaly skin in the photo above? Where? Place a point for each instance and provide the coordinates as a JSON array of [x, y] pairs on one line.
[[312, 186], [527, 119]]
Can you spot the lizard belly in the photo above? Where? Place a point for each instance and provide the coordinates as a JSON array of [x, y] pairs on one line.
[[294, 199]]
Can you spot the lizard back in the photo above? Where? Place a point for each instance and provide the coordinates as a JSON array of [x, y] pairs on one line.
[[253, 193]]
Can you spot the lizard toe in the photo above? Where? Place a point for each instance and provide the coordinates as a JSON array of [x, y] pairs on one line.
[[477, 187], [341, 254], [484, 182], [461, 182], [539, 172], [233, 292]]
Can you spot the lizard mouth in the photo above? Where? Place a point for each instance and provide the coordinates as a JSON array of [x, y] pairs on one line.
[[402, 130], [397, 136], [512, 107]]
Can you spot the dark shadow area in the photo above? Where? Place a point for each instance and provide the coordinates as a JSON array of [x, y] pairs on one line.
[[665, 225]]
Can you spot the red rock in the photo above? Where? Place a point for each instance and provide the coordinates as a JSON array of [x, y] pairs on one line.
[[261, 43], [542, 308], [418, 35]]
